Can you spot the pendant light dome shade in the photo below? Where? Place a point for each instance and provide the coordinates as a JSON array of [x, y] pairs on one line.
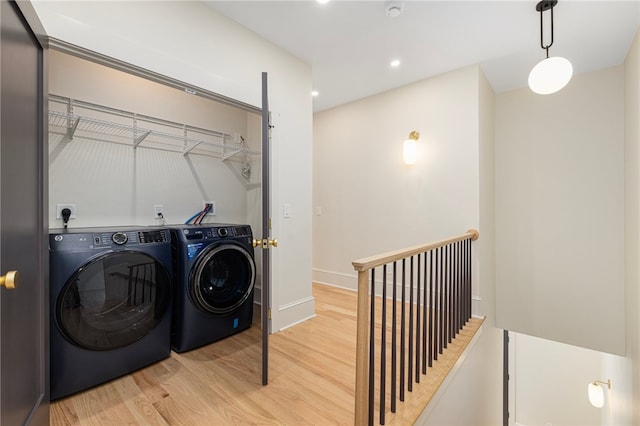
[[550, 75]]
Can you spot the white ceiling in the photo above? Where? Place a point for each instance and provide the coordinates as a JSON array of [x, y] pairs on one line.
[[350, 44]]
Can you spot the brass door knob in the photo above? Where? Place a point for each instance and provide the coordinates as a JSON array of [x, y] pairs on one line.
[[9, 280], [265, 243]]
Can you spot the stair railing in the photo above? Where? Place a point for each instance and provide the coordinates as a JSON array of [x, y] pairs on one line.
[[435, 288]]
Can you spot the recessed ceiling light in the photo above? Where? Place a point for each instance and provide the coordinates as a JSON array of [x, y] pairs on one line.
[[395, 63], [314, 93], [323, 1]]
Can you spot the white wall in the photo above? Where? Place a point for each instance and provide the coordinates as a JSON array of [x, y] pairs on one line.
[[630, 397], [549, 384], [550, 381], [486, 244], [191, 42], [370, 201], [473, 389], [560, 212], [619, 408]]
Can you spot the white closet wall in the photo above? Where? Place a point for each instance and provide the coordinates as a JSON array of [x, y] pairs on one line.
[[114, 184]]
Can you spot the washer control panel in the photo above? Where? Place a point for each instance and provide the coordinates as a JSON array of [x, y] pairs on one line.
[[106, 238]]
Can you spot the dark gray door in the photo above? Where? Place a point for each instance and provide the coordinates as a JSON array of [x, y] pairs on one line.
[[266, 233], [23, 311]]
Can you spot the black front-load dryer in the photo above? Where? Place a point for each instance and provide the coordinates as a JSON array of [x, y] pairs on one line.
[[214, 278], [110, 300]]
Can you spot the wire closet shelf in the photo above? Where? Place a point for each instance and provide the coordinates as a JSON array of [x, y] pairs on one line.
[[71, 119]]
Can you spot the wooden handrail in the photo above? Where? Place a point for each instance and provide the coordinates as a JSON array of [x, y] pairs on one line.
[[362, 328], [371, 262]]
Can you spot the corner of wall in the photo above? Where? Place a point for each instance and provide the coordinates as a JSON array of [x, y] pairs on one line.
[[632, 220], [486, 135]]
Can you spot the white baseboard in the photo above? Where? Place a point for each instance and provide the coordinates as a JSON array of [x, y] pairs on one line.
[[335, 279], [350, 282], [290, 314], [293, 313]]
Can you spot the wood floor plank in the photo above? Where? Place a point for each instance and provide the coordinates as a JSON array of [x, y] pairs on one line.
[[191, 397], [229, 391], [150, 380], [64, 413], [103, 405], [311, 379], [139, 406]]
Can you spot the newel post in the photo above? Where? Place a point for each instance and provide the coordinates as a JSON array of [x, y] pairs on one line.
[[362, 366]]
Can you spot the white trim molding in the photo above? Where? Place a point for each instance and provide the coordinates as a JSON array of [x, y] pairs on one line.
[[335, 279], [294, 313]]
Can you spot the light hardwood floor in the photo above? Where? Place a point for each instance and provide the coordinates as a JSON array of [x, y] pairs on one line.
[[311, 379]]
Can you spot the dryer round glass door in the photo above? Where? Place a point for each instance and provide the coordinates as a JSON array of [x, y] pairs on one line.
[[222, 278], [113, 300]]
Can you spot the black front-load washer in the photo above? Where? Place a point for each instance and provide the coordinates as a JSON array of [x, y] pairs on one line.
[[110, 300], [215, 274]]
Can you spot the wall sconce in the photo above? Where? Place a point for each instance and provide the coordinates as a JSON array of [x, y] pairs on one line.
[[596, 392], [550, 74], [410, 148]]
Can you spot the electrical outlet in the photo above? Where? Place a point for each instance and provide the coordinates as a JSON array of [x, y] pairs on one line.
[[158, 211], [60, 207], [212, 212]]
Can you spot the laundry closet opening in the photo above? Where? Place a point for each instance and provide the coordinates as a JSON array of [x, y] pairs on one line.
[[141, 147]]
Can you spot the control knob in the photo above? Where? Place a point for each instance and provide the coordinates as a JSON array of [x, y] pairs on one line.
[[119, 238]]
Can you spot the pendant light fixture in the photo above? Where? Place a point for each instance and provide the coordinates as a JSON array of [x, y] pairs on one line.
[[550, 74]]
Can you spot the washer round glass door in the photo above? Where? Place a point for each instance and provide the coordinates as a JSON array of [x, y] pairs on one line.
[[222, 278], [113, 300]]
